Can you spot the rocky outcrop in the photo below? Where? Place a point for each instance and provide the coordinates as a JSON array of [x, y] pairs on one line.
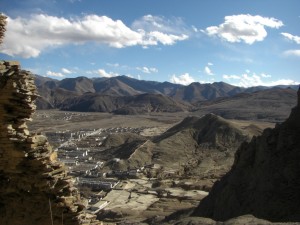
[[34, 187], [265, 178]]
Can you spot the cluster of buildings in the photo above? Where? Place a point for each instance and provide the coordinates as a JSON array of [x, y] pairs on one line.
[[76, 149]]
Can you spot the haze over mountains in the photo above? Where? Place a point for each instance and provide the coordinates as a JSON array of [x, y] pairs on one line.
[[124, 95]]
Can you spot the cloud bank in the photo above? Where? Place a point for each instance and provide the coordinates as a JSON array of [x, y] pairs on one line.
[[249, 80], [28, 37], [54, 74], [184, 79], [243, 28], [103, 73]]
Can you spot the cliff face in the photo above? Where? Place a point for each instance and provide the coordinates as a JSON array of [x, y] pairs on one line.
[[265, 178], [34, 187]]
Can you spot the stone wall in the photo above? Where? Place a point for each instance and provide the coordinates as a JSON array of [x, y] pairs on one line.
[[2, 27], [34, 187]]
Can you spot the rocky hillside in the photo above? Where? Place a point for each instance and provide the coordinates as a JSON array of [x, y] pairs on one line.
[[143, 103], [265, 178], [35, 188], [202, 92], [202, 148], [271, 105]]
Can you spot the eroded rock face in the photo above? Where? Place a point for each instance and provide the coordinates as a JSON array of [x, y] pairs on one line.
[[33, 184], [264, 180]]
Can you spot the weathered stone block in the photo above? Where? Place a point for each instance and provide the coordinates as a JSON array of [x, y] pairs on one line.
[[11, 63]]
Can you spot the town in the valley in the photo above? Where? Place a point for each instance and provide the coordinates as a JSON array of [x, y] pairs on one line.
[[122, 193]]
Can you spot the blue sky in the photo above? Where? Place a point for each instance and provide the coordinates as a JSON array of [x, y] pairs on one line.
[[241, 42]]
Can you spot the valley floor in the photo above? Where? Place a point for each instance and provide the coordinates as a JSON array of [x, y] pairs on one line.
[[142, 199], [55, 120]]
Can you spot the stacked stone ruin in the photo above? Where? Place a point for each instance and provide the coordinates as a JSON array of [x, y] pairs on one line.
[[34, 187], [2, 26]]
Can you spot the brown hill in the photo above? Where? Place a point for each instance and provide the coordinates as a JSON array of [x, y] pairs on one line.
[[265, 178], [79, 85], [115, 87], [143, 103], [90, 102], [203, 146], [202, 92], [196, 147], [269, 105], [120, 145], [146, 103]]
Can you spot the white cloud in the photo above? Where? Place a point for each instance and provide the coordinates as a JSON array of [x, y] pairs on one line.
[[28, 37], [246, 28], [265, 75], [156, 29], [249, 80], [66, 71], [208, 71], [103, 73], [294, 52], [184, 79], [54, 74], [206, 81], [283, 82], [113, 64], [166, 39], [292, 37], [195, 29], [296, 39], [228, 77], [149, 70], [162, 24]]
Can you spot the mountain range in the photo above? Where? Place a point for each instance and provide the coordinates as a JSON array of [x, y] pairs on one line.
[[125, 95]]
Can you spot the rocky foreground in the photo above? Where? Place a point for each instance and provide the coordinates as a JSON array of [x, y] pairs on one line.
[[34, 187]]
